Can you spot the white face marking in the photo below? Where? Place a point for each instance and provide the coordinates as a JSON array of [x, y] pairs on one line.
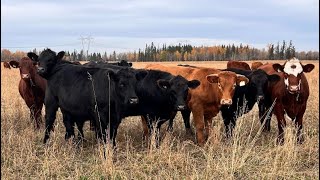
[[242, 83], [294, 71], [286, 81]]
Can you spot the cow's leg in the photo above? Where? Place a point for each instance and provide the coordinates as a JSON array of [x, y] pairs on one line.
[[228, 116], [208, 124], [144, 122], [298, 123], [265, 114], [80, 129], [186, 120], [158, 127], [38, 116], [50, 116], [33, 116], [68, 122], [170, 126], [279, 112], [100, 126], [199, 125], [113, 132]]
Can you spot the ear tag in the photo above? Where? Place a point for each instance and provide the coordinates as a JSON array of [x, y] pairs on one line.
[[242, 83]]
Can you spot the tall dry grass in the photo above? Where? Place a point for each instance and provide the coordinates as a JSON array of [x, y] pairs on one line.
[[249, 155]]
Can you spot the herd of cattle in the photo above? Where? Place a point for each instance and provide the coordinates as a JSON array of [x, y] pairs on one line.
[[105, 93]]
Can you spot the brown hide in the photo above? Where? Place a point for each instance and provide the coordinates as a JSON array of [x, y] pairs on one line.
[[238, 65]]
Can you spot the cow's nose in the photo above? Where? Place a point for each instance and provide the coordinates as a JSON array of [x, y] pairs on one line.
[[180, 107], [25, 76], [40, 70], [294, 88], [226, 101], [259, 98], [134, 100]]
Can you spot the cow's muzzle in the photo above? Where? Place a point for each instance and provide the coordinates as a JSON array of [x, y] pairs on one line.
[[260, 98], [181, 107], [25, 76], [40, 70], [226, 101], [134, 100]]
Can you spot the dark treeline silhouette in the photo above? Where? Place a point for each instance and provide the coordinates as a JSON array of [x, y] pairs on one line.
[[186, 52]]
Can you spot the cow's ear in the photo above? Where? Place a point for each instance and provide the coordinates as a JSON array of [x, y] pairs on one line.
[[213, 78], [277, 67], [163, 84], [193, 84], [33, 56], [242, 80], [60, 55], [273, 78], [141, 74], [308, 68], [130, 64], [14, 64]]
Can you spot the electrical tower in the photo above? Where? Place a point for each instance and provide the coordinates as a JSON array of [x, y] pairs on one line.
[[86, 40]]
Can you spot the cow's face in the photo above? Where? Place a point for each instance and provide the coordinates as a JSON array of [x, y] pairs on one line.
[[177, 90], [293, 70], [46, 61], [126, 80], [227, 82], [259, 80], [27, 68]]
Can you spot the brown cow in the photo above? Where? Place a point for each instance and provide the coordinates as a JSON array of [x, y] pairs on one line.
[[290, 94], [255, 65], [6, 65], [238, 65], [31, 88], [216, 89]]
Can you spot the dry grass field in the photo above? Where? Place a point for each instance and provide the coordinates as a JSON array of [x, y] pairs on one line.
[[249, 155]]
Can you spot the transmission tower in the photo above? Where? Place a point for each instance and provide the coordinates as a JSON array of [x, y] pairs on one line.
[[86, 40]]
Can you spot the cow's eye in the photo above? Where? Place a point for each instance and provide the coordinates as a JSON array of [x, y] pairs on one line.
[[219, 85], [234, 85]]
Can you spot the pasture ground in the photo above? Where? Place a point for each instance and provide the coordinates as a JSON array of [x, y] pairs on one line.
[[249, 155]]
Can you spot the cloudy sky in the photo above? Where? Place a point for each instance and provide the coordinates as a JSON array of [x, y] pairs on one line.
[[126, 25]]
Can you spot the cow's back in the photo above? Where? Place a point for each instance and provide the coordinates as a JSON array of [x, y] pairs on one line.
[[256, 65], [174, 70], [238, 64]]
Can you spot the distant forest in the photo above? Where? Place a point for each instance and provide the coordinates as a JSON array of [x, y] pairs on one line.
[[185, 52]]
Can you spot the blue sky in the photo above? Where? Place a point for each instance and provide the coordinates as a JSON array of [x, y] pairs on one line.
[[127, 25]]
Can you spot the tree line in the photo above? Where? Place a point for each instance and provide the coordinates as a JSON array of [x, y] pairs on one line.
[[186, 52]]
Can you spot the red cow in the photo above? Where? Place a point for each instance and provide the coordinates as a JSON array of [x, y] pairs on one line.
[[290, 94], [31, 88], [6, 65], [238, 65], [255, 65]]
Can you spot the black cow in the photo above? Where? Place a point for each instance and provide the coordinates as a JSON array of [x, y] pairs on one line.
[[85, 93], [160, 95], [246, 96], [122, 63]]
